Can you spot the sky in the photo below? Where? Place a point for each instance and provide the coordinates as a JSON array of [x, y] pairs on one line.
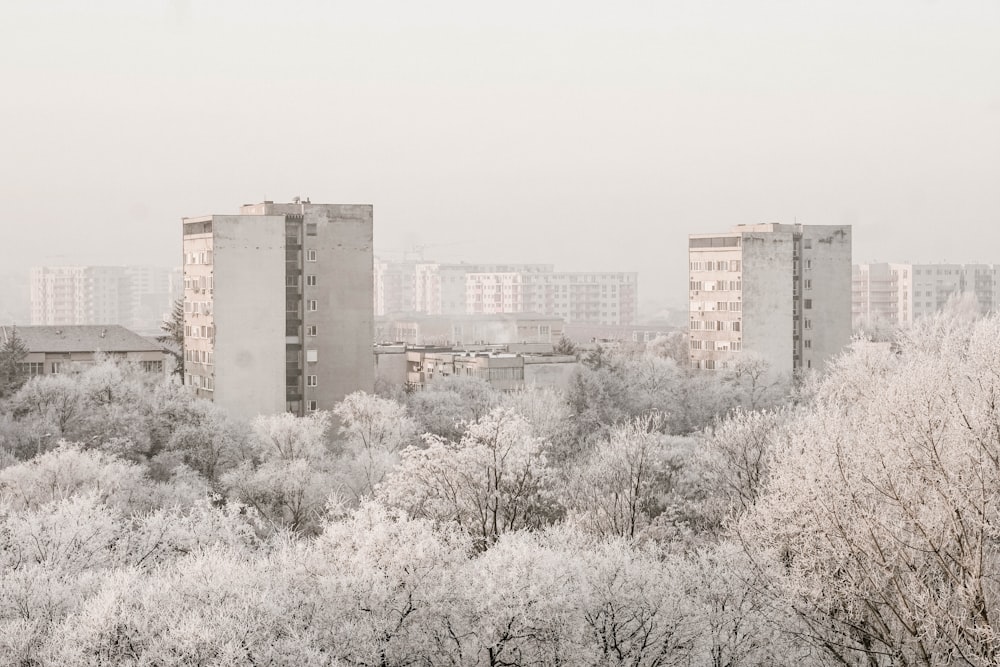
[[591, 135]]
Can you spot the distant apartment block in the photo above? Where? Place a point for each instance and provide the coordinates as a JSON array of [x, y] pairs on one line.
[[441, 288], [132, 296], [901, 293], [395, 287], [434, 288], [278, 306], [596, 298], [69, 348], [66, 295], [780, 292]]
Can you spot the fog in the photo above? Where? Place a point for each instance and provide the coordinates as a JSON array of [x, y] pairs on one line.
[[591, 136]]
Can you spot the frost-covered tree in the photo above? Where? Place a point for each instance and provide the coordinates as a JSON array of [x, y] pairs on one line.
[[289, 478], [740, 451], [446, 404], [372, 432], [615, 490], [494, 480], [883, 512]]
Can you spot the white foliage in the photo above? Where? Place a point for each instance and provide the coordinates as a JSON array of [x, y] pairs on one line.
[[885, 512], [494, 481], [285, 436]]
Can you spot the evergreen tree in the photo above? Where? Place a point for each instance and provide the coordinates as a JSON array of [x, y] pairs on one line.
[[12, 354], [173, 336], [565, 346]]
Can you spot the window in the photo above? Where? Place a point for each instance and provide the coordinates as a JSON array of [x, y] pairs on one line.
[[312, 381], [311, 406], [696, 345], [310, 229], [809, 283], [310, 255], [311, 281], [809, 304], [56, 366], [311, 330], [809, 264], [807, 344], [312, 356], [313, 305], [736, 326], [807, 324], [152, 366], [31, 368]]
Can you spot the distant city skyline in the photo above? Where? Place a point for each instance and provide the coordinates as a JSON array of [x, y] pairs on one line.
[[602, 135]]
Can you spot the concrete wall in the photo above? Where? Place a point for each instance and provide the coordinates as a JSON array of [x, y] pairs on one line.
[[767, 298], [554, 372], [826, 286], [390, 365], [249, 314], [345, 291]]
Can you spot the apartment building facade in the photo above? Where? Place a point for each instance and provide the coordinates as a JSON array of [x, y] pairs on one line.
[[441, 288], [80, 295], [778, 292], [136, 297], [395, 287], [901, 293], [278, 306], [576, 297]]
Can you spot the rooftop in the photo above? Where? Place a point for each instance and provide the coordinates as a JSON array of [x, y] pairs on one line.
[[80, 338]]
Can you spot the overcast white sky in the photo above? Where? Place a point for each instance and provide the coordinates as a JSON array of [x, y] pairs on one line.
[[592, 135]]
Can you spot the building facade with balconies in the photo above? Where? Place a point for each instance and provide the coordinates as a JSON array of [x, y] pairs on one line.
[[278, 306], [778, 292], [899, 294]]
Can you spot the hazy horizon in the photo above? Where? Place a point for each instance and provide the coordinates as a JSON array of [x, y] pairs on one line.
[[592, 139]]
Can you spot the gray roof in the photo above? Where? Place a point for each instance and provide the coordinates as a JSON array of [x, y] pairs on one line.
[[80, 338]]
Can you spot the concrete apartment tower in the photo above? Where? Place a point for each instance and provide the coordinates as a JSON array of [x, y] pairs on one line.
[[901, 293], [780, 292], [278, 306]]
